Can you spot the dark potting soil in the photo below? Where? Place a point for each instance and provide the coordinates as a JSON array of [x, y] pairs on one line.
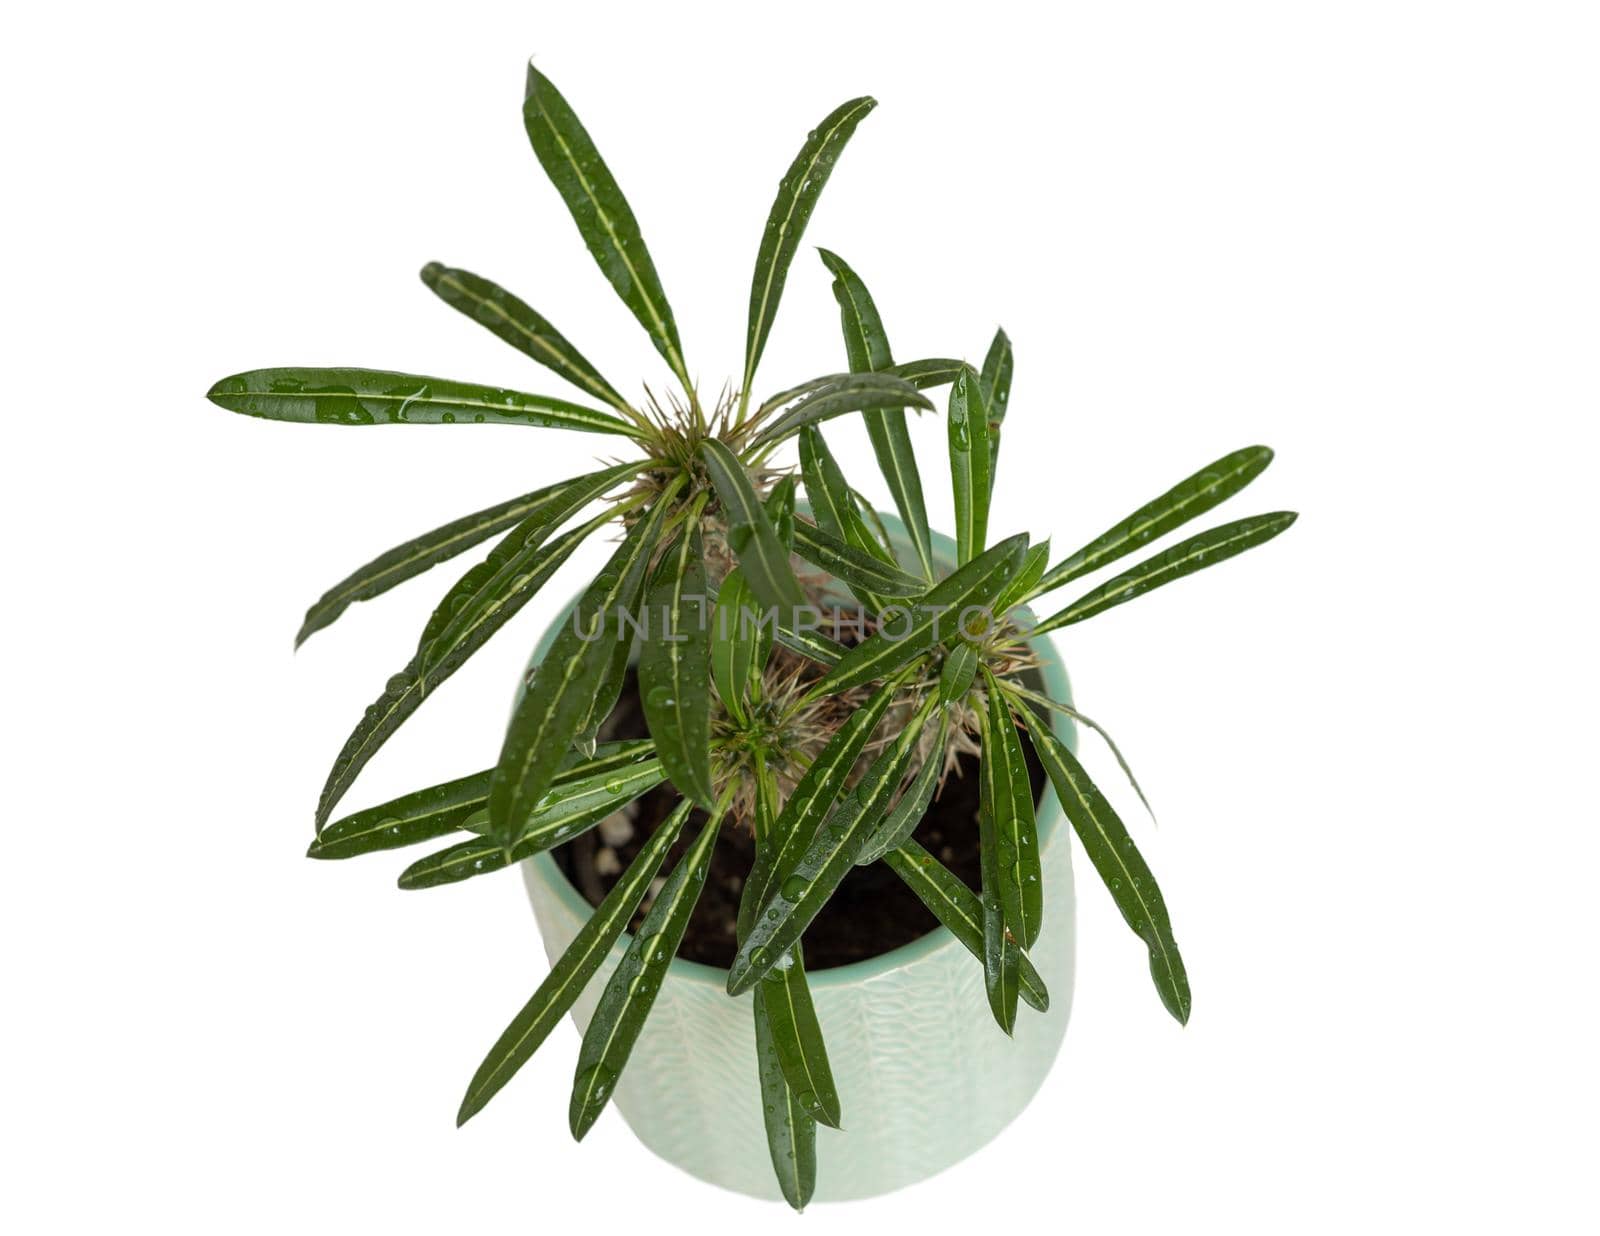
[[872, 912]]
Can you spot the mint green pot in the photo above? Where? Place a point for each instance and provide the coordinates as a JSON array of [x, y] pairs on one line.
[[924, 1076]]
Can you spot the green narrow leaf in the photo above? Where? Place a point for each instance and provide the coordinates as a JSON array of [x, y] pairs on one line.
[[735, 640], [455, 805], [1119, 863], [1002, 977], [563, 687], [401, 563], [1192, 496], [605, 221], [762, 557], [925, 374], [479, 595], [1014, 827], [521, 326], [801, 884], [779, 507], [768, 807], [867, 349], [818, 787], [791, 1132], [860, 570], [797, 1037], [477, 606], [404, 693], [572, 972], [927, 622], [1033, 564], [379, 397], [674, 664], [1198, 552], [968, 432], [956, 674], [419, 816], [810, 643], [855, 392], [994, 385], [957, 907], [786, 222], [632, 989], [566, 811], [834, 508], [609, 689], [906, 814]]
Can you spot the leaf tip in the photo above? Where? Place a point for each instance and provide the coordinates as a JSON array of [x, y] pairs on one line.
[[432, 273]]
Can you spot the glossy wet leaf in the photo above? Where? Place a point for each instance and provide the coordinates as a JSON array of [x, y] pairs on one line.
[[558, 699], [1117, 860], [762, 556], [674, 667], [867, 349], [495, 598], [823, 649], [854, 392], [956, 674], [791, 1132], [572, 970], [1192, 496], [1185, 558], [1009, 801], [813, 796], [903, 818], [994, 385], [1023, 582], [861, 571], [779, 505], [736, 643], [833, 506], [927, 621], [520, 325], [632, 989], [958, 908], [419, 816], [605, 221], [417, 555], [925, 374], [967, 431], [791, 210], [804, 878], [797, 1037], [380, 397], [566, 810]]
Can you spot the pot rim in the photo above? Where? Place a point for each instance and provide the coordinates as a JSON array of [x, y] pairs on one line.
[[1057, 686]]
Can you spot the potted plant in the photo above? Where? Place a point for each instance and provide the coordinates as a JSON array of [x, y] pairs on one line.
[[789, 768]]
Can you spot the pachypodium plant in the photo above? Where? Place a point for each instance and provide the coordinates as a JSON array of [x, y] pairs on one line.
[[723, 589]]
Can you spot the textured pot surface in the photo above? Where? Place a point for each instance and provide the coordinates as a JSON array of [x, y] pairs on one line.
[[924, 1075]]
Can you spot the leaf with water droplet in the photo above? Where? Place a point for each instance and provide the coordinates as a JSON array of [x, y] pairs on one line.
[[1118, 861], [969, 464], [960, 909], [572, 970], [674, 665], [572, 161], [762, 556], [1194, 495], [620, 1014], [797, 196], [1198, 552], [379, 397], [557, 702]]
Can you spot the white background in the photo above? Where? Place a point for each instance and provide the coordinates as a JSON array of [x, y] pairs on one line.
[[1363, 233]]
